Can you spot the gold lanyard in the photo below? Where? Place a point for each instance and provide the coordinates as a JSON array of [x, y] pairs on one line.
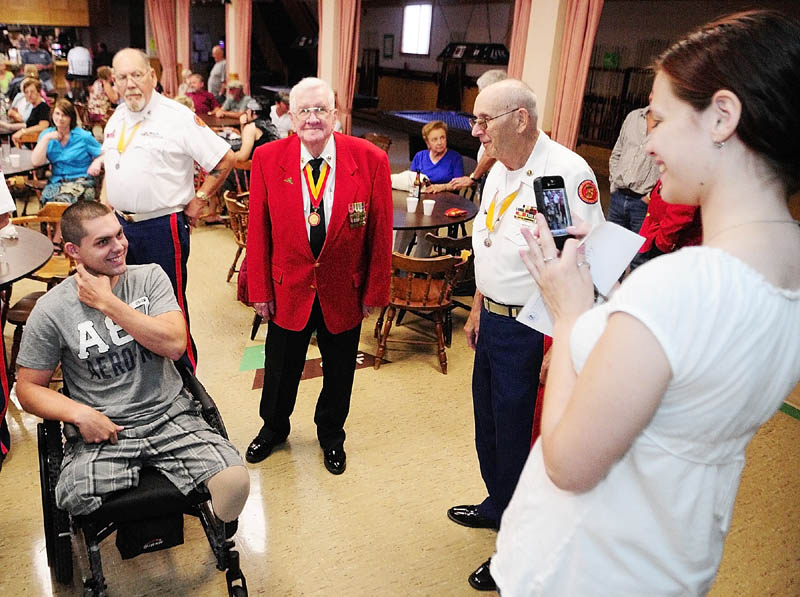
[[122, 144], [490, 221], [316, 189]]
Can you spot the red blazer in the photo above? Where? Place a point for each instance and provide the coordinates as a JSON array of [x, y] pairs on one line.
[[354, 266]]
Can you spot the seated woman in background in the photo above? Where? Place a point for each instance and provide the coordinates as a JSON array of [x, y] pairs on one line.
[[257, 129], [438, 166], [102, 95], [39, 116], [70, 151], [653, 396], [437, 163]]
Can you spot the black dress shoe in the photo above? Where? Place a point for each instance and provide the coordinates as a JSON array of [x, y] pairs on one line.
[[335, 460], [470, 517], [259, 449], [482, 579]]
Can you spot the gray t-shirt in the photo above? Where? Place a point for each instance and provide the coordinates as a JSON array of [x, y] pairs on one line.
[[231, 105], [216, 77], [103, 366]]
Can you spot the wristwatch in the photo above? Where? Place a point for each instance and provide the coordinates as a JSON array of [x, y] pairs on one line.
[[202, 196]]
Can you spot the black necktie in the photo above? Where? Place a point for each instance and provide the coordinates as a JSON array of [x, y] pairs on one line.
[[317, 236]]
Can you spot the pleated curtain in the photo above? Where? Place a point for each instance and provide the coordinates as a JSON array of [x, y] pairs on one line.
[[580, 29], [519, 38], [162, 20], [238, 30]]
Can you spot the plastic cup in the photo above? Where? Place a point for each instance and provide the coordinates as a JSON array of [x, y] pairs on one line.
[[411, 204], [427, 206], [15, 158]]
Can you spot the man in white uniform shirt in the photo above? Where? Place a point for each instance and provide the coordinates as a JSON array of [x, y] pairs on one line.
[[150, 147], [508, 354]]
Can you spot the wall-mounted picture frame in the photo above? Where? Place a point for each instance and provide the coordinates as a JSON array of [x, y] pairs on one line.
[[388, 46]]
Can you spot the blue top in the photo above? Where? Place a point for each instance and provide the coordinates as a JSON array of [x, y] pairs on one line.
[[73, 160], [446, 169]]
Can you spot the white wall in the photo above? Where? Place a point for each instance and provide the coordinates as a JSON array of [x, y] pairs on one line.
[[470, 19]]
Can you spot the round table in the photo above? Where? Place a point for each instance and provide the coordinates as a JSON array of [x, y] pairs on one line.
[[23, 166], [215, 122], [403, 220], [24, 255]]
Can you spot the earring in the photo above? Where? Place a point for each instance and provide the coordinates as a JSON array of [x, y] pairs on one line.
[[719, 144]]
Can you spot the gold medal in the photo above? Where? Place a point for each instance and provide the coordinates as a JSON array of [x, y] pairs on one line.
[[313, 218]]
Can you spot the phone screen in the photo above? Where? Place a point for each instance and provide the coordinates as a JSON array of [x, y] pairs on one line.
[[556, 211], [551, 201]]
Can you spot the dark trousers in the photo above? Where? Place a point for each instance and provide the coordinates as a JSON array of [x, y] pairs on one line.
[[285, 357], [627, 209], [505, 380], [164, 241]]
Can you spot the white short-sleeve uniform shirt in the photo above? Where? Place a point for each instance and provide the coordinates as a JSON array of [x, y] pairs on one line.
[[499, 272], [156, 168]]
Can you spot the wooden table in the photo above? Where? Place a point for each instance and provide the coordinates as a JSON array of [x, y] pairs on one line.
[[215, 122], [419, 221], [24, 165], [24, 255]]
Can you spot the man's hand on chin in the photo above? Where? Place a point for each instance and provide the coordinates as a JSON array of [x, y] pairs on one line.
[[94, 291]]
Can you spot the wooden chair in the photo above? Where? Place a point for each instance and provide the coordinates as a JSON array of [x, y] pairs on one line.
[[465, 288], [83, 115], [241, 172], [238, 212], [58, 267], [422, 286], [382, 141], [18, 317]]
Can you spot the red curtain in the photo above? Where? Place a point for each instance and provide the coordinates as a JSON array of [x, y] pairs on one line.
[[238, 31], [182, 34], [580, 29], [519, 38], [162, 20], [347, 30]]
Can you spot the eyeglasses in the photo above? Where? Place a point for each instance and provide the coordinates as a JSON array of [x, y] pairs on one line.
[[136, 76], [305, 113], [483, 122]]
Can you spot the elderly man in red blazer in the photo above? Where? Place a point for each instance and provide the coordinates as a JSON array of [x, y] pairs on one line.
[[319, 259]]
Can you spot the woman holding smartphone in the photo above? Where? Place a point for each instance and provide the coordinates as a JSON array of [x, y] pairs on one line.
[[653, 396]]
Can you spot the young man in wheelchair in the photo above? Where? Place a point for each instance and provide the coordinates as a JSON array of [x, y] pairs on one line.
[[116, 330]]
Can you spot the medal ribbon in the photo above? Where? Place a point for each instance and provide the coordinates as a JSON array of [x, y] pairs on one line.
[[506, 203], [122, 144], [316, 190]]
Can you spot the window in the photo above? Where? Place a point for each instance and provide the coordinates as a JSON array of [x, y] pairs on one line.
[[416, 29]]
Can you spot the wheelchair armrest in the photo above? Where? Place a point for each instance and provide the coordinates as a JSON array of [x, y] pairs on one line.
[[71, 432], [196, 389]]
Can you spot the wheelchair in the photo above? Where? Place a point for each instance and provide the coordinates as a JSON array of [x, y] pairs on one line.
[[146, 518]]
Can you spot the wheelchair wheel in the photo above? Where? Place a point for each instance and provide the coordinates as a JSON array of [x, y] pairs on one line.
[[58, 539]]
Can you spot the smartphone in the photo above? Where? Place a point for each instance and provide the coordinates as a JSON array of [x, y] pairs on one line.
[[551, 201]]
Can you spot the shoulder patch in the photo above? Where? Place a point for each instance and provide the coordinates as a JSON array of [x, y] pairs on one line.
[[199, 121], [588, 192]]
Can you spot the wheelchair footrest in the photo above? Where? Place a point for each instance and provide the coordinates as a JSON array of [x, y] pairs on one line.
[[134, 538]]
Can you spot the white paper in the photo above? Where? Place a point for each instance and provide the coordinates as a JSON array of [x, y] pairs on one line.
[[535, 315], [609, 248]]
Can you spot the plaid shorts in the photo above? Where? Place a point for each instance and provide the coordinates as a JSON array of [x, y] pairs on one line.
[[179, 443]]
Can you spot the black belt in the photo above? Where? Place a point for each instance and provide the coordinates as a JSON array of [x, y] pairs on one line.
[[630, 193]]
